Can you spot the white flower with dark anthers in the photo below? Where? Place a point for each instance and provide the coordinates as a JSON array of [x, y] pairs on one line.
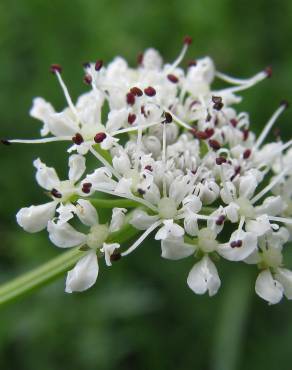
[[35, 218], [85, 273], [176, 149]]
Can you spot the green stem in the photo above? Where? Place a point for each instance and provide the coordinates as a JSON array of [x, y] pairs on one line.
[[38, 277], [111, 203], [232, 318]]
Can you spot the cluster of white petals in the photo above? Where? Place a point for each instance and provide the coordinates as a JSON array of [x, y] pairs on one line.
[[201, 181]]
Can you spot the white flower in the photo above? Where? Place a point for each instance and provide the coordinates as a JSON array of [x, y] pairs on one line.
[[204, 277], [175, 162]]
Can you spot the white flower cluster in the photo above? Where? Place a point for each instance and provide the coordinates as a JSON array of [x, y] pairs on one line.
[[202, 182]]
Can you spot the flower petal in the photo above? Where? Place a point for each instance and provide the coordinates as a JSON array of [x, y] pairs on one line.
[[64, 235], [35, 218], [46, 177], [141, 220], [86, 213], [77, 167], [204, 277], [176, 249], [268, 288], [83, 275]]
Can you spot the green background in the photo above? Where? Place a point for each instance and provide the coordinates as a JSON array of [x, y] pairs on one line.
[[140, 314]]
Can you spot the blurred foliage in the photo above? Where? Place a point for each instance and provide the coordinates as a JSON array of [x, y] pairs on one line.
[[141, 314]]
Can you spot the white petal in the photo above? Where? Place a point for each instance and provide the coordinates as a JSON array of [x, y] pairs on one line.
[[118, 219], [260, 226], [232, 212], [46, 177], [86, 213], [108, 142], [268, 288], [77, 167], [124, 187], [121, 163], [168, 230], [284, 276], [141, 220], [191, 224], [249, 245], [204, 277], [83, 275], [272, 206], [193, 203], [35, 218], [65, 236], [108, 250], [247, 186], [101, 178], [42, 110], [175, 249], [62, 124], [66, 212]]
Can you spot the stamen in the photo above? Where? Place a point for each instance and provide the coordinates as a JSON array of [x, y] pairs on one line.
[[236, 244], [168, 117], [5, 142], [98, 65], [164, 158], [142, 238], [131, 118], [136, 91], [78, 139], [55, 193], [87, 79], [130, 98], [172, 78], [55, 68], [246, 154], [86, 187], [271, 185], [270, 124], [220, 160], [186, 43], [41, 141], [281, 219], [217, 100], [245, 81], [115, 256], [150, 91], [99, 137], [220, 220], [134, 128], [66, 93], [178, 120], [105, 163], [214, 144]]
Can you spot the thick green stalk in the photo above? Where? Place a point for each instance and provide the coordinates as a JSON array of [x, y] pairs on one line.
[[38, 277]]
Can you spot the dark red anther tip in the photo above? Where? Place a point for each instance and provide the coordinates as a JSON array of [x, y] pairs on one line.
[[115, 256], [245, 133], [136, 91], [55, 68], [214, 144], [192, 63], [217, 100], [269, 71], [234, 122], [168, 117], [86, 64], [131, 118], [150, 91], [5, 142], [86, 187], [209, 132], [172, 78], [77, 139], [236, 244], [55, 193], [220, 220], [149, 168], [187, 40], [87, 79], [140, 58], [246, 153], [99, 137], [98, 65], [220, 160], [130, 98], [284, 103]]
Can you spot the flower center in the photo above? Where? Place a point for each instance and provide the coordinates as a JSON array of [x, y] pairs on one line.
[[207, 240], [245, 207], [97, 236], [167, 208]]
